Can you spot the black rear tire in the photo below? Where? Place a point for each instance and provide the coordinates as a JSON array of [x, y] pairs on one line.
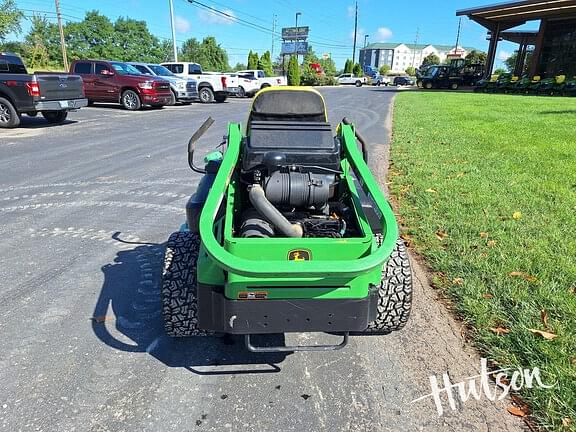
[[55, 117], [241, 92], [173, 98], [179, 289], [206, 95], [9, 117], [394, 293], [358, 83]]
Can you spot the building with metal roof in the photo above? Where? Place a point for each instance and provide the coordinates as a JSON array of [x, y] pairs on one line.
[[554, 44]]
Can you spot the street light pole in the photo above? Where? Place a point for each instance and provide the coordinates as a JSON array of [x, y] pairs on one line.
[[297, 15], [365, 40], [173, 31]]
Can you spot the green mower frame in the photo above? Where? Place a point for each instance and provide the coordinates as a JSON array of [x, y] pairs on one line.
[[217, 281]]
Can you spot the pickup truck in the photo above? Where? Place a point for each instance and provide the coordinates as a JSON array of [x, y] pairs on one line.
[[263, 80], [183, 90], [351, 79], [379, 80], [211, 86], [118, 82], [51, 94]]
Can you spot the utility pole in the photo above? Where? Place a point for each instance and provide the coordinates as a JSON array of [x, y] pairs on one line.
[[174, 47], [62, 41], [415, 47], [355, 32], [274, 22], [458, 36]]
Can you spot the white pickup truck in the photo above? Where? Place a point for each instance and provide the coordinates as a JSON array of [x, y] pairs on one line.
[[263, 80], [212, 86], [352, 79]]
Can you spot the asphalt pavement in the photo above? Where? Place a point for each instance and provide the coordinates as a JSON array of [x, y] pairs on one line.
[[86, 208]]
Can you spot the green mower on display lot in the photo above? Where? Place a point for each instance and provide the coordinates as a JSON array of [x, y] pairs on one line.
[[288, 231]]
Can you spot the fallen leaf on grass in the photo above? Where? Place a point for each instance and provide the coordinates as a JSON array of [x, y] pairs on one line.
[[544, 334], [500, 330], [566, 421], [483, 234], [517, 215], [573, 360], [457, 281], [487, 296], [430, 190], [441, 235], [544, 317], [491, 243], [523, 275], [101, 319], [520, 403], [516, 412]]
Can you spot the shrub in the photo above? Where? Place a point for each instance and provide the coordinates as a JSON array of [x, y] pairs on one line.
[[293, 72]]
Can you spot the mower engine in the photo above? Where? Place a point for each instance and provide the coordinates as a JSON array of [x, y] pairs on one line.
[[292, 170]]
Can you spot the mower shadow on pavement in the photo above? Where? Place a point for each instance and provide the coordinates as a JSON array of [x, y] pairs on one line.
[[128, 317]]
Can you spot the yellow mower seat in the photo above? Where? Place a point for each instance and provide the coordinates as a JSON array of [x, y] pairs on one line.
[[560, 79]]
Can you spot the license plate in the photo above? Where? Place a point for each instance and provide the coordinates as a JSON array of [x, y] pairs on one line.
[[63, 104]]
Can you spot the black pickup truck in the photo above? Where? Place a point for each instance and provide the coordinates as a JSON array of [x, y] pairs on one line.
[[52, 94]]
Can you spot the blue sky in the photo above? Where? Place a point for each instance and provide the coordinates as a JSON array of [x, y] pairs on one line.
[[331, 22]]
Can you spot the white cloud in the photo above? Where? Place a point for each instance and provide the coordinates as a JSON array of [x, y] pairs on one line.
[[215, 18], [383, 34], [351, 11], [504, 55], [182, 25], [359, 36]]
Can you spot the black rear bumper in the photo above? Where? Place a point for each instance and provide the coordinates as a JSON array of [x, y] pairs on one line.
[[216, 312]]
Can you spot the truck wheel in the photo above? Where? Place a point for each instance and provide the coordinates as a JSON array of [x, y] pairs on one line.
[[179, 299], [221, 97], [241, 92], [206, 95], [173, 98], [394, 293], [9, 117], [454, 86], [131, 101], [428, 85], [55, 117], [358, 83]]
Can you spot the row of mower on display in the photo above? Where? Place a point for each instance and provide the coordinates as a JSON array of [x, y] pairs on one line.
[[507, 83]]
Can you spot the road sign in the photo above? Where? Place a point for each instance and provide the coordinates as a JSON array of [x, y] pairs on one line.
[[295, 33], [294, 48]]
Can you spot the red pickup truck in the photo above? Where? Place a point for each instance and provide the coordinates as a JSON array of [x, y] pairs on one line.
[[111, 81]]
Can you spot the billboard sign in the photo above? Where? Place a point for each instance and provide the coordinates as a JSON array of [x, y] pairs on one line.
[[295, 33], [294, 48]]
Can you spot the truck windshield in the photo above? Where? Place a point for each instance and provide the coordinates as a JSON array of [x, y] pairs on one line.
[[125, 69], [160, 70], [432, 71], [12, 64]]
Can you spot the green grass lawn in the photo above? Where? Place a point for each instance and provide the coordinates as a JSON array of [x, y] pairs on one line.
[[486, 190]]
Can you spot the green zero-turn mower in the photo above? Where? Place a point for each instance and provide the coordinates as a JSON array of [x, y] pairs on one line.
[[288, 231]]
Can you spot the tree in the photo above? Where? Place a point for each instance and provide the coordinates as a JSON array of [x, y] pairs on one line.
[[430, 59], [510, 62], [476, 57], [384, 69], [499, 71], [293, 71], [43, 45], [328, 66], [10, 17], [357, 70], [209, 54], [265, 64], [239, 67], [252, 60], [348, 66], [91, 38], [411, 71], [133, 41]]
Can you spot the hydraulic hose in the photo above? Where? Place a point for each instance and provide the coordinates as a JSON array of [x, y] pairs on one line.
[[271, 213]]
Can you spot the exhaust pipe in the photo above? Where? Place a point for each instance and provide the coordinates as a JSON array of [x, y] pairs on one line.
[[271, 213]]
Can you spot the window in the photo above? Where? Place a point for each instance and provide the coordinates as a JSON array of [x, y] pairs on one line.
[[83, 68], [4, 66], [193, 69], [99, 67], [143, 69], [261, 74], [175, 68]]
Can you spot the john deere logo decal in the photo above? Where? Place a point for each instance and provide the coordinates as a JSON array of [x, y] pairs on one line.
[[299, 255]]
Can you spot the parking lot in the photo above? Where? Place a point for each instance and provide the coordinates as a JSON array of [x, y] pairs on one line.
[[86, 207]]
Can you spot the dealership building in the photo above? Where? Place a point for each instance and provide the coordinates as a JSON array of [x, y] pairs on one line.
[[553, 44], [399, 56]]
